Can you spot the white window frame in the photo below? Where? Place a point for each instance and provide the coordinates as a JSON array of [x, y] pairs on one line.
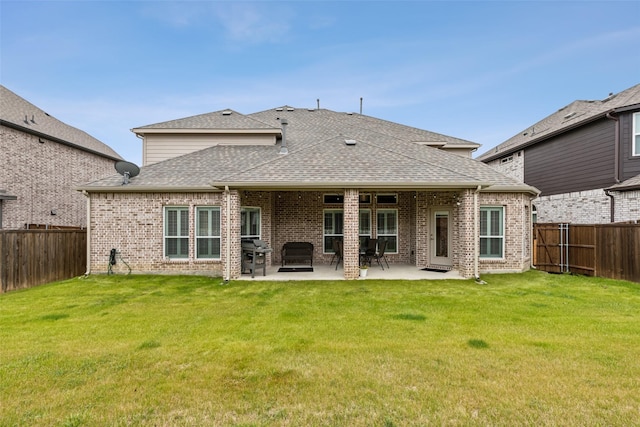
[[333, 232], [178, 236], [364, 228], [488, 232], [212, 231], [387, 232], [249, 210], [635, 135]]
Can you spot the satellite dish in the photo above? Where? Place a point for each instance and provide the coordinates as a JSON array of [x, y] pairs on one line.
[[127, 170]]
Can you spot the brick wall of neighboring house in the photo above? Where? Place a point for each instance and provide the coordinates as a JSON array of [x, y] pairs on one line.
[[132, 223], [44, 176], [517, 224], [627, 205], [511, 165], [580, 207]]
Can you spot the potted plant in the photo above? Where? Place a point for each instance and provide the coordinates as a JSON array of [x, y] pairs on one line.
[[363, 270]]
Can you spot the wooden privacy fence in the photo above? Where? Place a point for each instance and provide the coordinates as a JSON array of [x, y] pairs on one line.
[[33, 257], [603, 250]]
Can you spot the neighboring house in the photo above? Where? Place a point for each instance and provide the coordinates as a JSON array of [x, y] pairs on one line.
[[307, 175], [584, 159], [42, 161]]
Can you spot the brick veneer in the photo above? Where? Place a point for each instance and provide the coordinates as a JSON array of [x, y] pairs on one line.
[[517, 245], [44, 176], [133, 224]]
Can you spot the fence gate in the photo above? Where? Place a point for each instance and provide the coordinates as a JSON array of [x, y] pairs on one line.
[[552, 251], [564, 248]]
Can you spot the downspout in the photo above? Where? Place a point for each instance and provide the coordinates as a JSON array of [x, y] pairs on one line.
[[531, 247], [616, 147], [86, 273], [612, 204], [616, 164], [476, 237], [228, 245]]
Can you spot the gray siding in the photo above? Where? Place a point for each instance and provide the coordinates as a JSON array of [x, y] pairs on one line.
[[630, 165], [578, 160]]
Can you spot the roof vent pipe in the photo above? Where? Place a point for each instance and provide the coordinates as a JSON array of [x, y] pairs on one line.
[[283, 147]]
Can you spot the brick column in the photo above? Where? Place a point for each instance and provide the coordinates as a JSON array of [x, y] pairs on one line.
[[468, 240], [351, 250], [234, 244]]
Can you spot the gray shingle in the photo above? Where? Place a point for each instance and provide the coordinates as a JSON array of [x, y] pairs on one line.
[[384, 153], [19, 112], [570, 116]]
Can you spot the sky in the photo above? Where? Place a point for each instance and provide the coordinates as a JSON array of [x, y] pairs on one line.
[[478, 70]]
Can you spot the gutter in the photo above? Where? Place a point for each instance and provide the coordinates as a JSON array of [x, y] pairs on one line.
[[518, 147], [86, 273], [148, 189], [342, 185], [255, 131], [476, 234], [616, 147]]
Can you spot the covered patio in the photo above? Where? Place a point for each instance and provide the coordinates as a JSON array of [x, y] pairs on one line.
[[329, 272]]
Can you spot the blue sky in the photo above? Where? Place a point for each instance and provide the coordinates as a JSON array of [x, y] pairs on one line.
[[477, 70]]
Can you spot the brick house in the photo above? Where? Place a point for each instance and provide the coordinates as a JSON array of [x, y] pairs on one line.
[[311, 175], [42, 161], [584, 159]]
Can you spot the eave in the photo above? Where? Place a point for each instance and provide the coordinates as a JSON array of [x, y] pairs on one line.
[[57, 140], [261, 131]]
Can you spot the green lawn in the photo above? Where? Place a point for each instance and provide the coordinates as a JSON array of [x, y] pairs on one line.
[[529, 349]]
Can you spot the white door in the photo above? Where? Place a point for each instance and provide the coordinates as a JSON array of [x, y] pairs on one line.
[[440, 237]]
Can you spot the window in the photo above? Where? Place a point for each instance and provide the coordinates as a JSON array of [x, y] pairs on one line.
[[636, 134], [506, 159], [491, 232], [208, 232], [388, 228], [364, 198], [364, 226], [176, 232], [333, 199], [249, 223], [333, 228], [387, 199]]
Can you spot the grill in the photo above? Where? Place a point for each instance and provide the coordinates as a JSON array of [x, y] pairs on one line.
[[254, 255]]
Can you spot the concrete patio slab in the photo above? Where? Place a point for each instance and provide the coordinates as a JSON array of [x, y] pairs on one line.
[[329, 272]]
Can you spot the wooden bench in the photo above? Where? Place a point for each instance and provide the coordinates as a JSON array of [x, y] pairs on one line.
[[297, 251]]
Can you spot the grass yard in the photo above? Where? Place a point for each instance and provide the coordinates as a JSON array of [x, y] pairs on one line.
[[527, 349]]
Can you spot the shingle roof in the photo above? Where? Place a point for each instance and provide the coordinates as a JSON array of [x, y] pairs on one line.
[[21, 114], [574, 114], [629, 184], [385, 154], [223, 119]]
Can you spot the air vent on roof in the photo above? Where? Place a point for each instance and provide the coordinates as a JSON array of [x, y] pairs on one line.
[[279, 109], [350, 141], [568, 116], [290, 109], [226, 113]]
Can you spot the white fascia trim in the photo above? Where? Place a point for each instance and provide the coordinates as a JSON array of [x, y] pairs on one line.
[[272, 131]]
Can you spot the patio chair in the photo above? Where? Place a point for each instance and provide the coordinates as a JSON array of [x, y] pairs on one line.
[[369, 252], [380, 254], [337, 252]]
